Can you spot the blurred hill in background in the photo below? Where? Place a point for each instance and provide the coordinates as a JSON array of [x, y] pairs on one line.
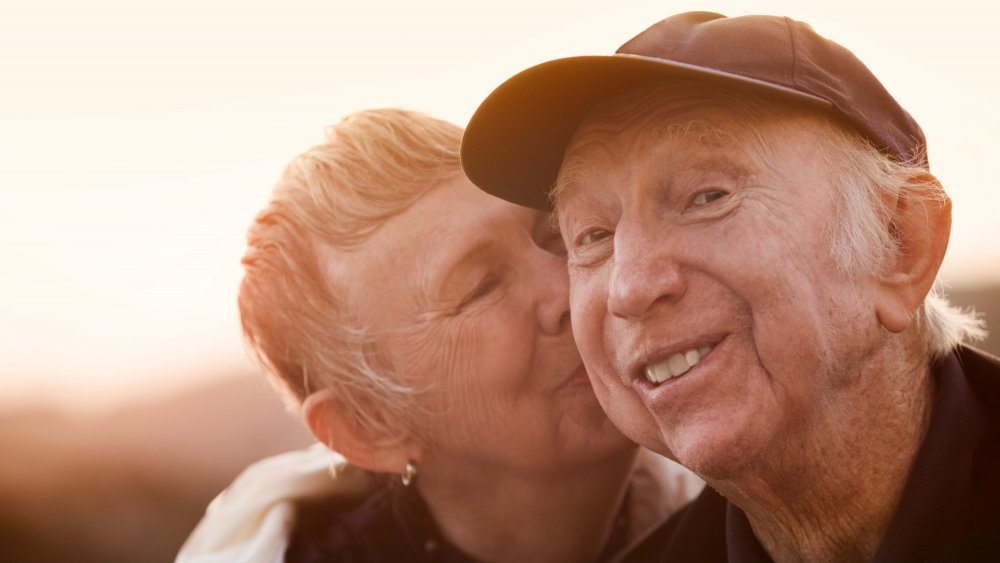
[[129, 486]]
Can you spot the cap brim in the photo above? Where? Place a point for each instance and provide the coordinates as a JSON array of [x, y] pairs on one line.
[[514, 143]]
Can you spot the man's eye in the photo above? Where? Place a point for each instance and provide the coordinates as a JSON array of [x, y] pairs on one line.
[[593, 236], [707, 196]]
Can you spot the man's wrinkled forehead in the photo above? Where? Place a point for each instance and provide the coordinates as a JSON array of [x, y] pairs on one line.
[[699, 118]]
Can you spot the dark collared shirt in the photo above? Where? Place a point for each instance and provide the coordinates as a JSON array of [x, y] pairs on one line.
[[950, 507], [393, 524]]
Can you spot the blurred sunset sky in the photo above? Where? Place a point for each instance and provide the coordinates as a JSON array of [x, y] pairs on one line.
[[138, 139]]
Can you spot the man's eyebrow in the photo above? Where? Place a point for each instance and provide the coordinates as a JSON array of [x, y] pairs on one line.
[[726, 164]]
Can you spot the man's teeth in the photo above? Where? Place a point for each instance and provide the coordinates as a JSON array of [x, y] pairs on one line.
[[676, 365]]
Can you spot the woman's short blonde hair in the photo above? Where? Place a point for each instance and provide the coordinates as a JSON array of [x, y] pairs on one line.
[[374, 165]]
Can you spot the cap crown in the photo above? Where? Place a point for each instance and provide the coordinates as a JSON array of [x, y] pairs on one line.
[[778, 51]]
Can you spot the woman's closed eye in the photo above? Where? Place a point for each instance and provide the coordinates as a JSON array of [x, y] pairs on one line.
[[486, 286]]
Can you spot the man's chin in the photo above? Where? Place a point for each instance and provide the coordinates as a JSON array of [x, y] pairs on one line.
[[712, 456]]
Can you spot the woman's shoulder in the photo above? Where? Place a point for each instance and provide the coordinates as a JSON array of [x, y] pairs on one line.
[[251, 520]]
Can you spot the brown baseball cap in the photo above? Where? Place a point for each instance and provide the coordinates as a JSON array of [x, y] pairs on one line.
[[514, 143]]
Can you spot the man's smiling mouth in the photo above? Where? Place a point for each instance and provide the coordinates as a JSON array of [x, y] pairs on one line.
[[675, 365]]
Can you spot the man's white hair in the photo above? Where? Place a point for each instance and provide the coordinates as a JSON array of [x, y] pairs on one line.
[[869, 185]]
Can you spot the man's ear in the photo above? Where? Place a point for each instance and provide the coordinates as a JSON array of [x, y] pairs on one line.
[[380, 450], [921, 223]]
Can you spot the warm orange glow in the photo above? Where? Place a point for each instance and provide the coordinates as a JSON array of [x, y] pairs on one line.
[[139, 138]]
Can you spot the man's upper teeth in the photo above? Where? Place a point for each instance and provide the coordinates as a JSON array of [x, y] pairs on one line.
[[676, 365]]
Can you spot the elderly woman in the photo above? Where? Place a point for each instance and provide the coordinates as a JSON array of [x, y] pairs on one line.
[[423, 325]]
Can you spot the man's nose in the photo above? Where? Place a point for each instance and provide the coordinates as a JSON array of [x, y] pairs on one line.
[[645, 273]]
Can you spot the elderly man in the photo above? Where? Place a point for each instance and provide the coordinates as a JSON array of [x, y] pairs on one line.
[[753, 237]]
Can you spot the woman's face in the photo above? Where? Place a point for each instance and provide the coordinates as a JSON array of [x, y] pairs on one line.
[[469, 297]]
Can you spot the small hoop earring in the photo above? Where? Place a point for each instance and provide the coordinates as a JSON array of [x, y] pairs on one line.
[[409, 473]]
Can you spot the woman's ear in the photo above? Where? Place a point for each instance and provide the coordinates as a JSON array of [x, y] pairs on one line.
[[921, 222], [382, 450]]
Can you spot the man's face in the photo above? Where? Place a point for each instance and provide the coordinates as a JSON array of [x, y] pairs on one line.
[[699, 241]]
